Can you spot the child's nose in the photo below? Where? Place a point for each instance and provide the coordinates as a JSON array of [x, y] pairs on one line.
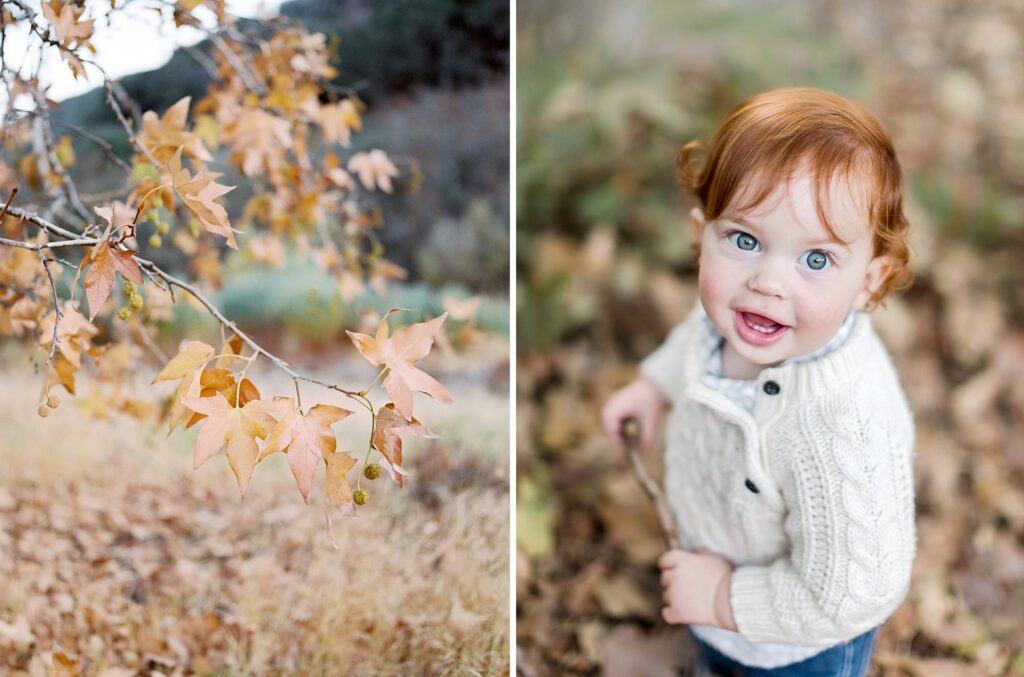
[[768, 278]]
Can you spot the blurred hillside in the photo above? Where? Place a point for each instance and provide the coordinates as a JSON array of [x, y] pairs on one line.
[[607, 94], [434, 76]]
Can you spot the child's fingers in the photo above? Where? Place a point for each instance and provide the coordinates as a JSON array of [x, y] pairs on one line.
[[671, 559], [610, 422]]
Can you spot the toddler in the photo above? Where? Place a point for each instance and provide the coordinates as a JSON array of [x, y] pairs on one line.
[[789, 442]]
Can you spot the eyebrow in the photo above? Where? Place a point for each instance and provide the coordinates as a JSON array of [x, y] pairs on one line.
[[812, 243]]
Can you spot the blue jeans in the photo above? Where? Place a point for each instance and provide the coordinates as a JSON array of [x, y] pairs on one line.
[[843, 660]]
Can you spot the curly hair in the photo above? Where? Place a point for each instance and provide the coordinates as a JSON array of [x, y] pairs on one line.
[[772, 135]]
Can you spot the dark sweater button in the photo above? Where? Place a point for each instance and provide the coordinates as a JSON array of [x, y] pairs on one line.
[[771, 387], [753, 487]]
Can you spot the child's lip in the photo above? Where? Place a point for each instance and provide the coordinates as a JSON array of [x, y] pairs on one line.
[[754, 337], [763, 316]]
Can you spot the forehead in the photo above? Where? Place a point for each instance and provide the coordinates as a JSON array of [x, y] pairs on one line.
[[793, 205]]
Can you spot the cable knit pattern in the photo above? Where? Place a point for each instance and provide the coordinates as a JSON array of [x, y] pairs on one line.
[[824, 547]]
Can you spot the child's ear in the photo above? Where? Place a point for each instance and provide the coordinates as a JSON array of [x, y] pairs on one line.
[[878, 270], [697, 221]]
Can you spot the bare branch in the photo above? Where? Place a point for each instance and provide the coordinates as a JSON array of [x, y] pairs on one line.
[[56, 309], [248, 78], [631, 436], [107, 148], [119, 112]]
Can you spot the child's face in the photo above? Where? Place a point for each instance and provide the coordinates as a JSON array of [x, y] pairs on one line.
[[777, 261]]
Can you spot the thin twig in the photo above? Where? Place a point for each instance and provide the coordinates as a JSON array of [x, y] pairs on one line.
[[56, 309], [7, 205], [631, 436], [107, 148], [151, 267]]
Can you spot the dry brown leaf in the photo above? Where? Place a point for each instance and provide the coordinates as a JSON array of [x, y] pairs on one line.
[[339, 493], [163, 136], [397, 353], [305, 438], [374, 169], [338, 120], [65, 20], [386, 439], [234, 429], [187, 365], [198, 193]]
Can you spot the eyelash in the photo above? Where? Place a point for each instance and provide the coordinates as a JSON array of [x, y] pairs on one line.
[[829, 255]]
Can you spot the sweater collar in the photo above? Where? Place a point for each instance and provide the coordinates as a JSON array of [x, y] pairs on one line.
[[824, 370]]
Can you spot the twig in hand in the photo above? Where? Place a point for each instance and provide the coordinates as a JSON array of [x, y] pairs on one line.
[[631, 436]]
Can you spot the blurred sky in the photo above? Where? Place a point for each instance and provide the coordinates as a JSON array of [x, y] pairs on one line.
[[136, 39]]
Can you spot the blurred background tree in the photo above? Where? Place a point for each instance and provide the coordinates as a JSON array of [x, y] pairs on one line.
[[608, 92]]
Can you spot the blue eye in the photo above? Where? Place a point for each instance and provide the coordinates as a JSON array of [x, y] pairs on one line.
[[743, 241], [817, 259]]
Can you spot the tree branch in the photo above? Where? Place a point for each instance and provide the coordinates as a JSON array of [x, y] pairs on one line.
[[631, 436]]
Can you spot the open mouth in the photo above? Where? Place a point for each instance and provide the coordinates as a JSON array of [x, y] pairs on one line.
[[758, 329]]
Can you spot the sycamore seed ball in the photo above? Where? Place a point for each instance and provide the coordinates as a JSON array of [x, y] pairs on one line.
[[163, 227], [155, 241], [44, 411], [129, 288], [135, 301], [124, 312], [360, 496], [372, 471], [53, 401]]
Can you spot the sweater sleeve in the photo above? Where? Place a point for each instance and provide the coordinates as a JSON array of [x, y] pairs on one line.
[[664, 366], [848, 485]]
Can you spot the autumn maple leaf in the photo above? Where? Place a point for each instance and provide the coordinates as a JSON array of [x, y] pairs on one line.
[[198, 193], [187, 365], [234, 429], [74, 333], [259, 137], [389, 425], [212, 381], [397, 353], [65, 23], [338, 120], [104, 262], [304, 438], [373, 168], [339, 493], [163, 136]]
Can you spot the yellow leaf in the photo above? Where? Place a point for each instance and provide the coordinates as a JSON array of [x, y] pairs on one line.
[[234, 429], [397, 353]]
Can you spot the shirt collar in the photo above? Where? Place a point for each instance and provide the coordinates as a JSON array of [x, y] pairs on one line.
[[711, 341]]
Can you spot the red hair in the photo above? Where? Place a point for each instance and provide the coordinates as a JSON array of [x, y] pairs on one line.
[[770, 136]]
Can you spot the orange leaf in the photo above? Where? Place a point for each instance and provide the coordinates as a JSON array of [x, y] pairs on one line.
[[163, 136], [187, 365], [65, 23], [339, 493], [397, 353], [104, 263], [234, 429], [305, 439], [373, 168], [198, 193], [386, 440]]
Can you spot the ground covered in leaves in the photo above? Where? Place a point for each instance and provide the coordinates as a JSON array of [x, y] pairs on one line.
[[119, 559], [608, 93]]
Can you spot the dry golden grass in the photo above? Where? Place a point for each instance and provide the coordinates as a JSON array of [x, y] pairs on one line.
[[117, 550]]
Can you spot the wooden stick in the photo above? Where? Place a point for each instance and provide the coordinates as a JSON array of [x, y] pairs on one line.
[[631, 436]]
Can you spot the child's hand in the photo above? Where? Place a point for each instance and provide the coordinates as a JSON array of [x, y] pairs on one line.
[[640, 399], [696, 588]]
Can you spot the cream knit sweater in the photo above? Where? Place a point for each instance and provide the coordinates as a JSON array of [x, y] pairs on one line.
[[812, 497]]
